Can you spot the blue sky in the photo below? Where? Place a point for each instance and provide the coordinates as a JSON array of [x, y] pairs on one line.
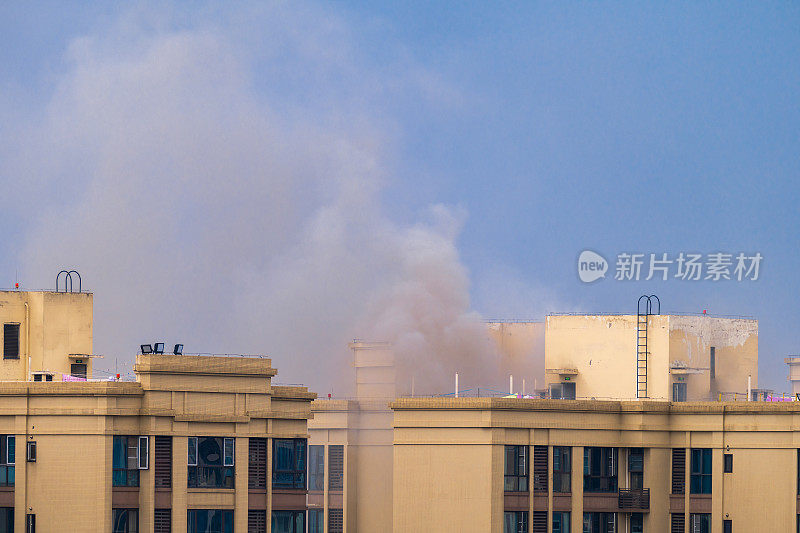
[[545, 128]]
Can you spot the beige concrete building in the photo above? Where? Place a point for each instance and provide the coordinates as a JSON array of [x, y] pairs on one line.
[[555, 466], [194, 441], [46, 335], [664, 357]]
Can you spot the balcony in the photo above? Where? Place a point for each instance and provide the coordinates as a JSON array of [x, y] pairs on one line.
[[634, 499]]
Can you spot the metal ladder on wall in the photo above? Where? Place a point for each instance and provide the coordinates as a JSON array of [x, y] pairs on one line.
[[644, 308]]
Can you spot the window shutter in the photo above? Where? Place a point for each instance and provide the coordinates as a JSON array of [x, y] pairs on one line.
[[336, 467], [11, 341], [540, 522], [162, 521], [678, 470], [257, 468], [540, 468], [256, 521], [335, 520], [678, 523], [163, 461], [144, 453]]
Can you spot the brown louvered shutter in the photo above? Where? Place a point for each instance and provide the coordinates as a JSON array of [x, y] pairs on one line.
[[540, 469], [257, 467], [540, 522], [335, 520], [678, 523], [678, 470], [336, 467], [162, 467], [256, 520], [162, 521], [11, 341]]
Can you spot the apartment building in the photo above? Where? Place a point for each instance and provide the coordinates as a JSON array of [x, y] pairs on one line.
[[650, 356], [195, 443], [509, 465]]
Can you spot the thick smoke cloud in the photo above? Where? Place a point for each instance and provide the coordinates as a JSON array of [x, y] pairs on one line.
[[219, 183]]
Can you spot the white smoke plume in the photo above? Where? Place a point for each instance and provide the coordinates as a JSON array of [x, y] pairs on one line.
[[218, 182]]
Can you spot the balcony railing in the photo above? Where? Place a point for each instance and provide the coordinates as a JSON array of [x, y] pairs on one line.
[[638, 499]]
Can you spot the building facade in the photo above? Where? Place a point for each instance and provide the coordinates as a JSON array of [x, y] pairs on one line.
[[663, 357], [196, 444], [552, 466]]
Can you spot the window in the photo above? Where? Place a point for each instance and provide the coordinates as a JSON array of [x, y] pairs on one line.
[[727, 526], [162, 457], [677, 523], [210, 521], [316, 521], [516, 469], [316, 468], [336, 467], [599, 522], [288, 522], [40, 376], [699, 523], [78, 370], [30, 451], [125, 520], [540, 458], [6, 520], [679, 392], [562, 391], [712, 362], [257, 463], [637, 523], [206, 458], [599, 470], [636, 468], [562, 469], [125, 462], [162, 520], [335, 520], [561, 522], [257, 521], [10, 341], [727, 463], [8, 445], [700, 481], [30, 523], [288, 464], [678, 470], [515, 522]]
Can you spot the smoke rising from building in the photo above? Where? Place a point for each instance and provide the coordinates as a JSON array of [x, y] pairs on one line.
[[208, 197]]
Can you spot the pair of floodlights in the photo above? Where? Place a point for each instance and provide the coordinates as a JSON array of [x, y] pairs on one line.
[[158, 348]]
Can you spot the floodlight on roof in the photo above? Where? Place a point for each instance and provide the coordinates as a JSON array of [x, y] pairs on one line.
[[178, 349], [146, 348], [158, 347]]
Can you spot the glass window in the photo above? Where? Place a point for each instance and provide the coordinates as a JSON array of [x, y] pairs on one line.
[[599, 522], [562, 469], [700, 480], [6, 520], [316, 521], [125, 462], [516, 469], [208, 470], [637, 523], [7, 459], [515, 522], [561, 522], [125, 520], [289, 463], [316, 468], [700, 523], [636, 468], [679, 392], [728, 463], [599, 469], [210, 521], [288, 521], [562, 391]]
